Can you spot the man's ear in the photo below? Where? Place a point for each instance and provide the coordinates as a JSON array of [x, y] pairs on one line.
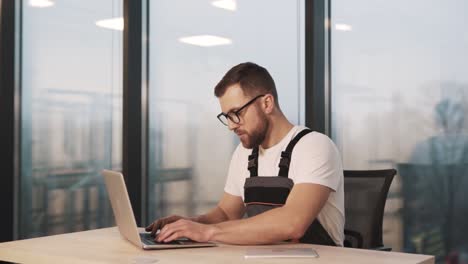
[[268, 103]]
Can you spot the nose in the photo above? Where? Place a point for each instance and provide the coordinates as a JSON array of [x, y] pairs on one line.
[[232, 125]]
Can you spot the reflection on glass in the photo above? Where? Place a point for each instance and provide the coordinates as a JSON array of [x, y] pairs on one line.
[[41, 3], [438, 164], [112, 23], [343, 27], [189, 148], [399, 100], [230, 5], [450, 143], [71, 115], [205, 40]]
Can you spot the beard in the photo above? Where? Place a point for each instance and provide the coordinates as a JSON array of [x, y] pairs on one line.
[[257, 136]]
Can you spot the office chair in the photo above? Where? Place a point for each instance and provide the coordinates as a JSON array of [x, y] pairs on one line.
[[365, 197]]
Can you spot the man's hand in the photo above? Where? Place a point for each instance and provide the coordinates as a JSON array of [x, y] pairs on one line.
[[229, 208], [186, 228], [161, 222]]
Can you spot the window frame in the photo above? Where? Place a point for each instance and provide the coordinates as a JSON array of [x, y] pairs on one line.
[[135, 100]]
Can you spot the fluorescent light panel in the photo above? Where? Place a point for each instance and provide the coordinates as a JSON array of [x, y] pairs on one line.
[[343, 27], [205, 40], [41, 3], [230, 5], [112, 23]]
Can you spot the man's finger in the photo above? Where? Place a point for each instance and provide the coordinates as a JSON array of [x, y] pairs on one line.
[[161, 236], [150, 227], [155, 228], [162, 233], [167, 231], [174, 236]]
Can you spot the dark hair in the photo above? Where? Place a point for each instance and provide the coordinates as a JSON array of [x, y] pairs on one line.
[[252, 78]]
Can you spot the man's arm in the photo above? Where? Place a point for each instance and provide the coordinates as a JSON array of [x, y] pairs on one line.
[[287, 222], [230, 207]]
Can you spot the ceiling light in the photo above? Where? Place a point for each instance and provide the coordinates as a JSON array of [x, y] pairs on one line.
[[205, 40], [343, 27], [226, 4], [40, 3], [112, 23]]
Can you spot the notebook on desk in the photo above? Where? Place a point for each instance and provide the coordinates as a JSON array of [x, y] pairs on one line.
[[125, 218]]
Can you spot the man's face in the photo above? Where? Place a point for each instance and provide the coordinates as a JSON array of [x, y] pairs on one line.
[[253, 124]]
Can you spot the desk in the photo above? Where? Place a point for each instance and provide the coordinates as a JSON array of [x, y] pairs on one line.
[[106, 246]]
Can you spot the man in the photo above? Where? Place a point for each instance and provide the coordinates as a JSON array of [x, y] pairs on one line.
[[287, 179]]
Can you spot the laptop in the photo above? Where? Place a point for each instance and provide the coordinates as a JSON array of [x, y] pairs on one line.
[[125, 218]]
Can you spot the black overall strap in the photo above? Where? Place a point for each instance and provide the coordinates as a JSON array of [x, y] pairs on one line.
[[253, 162], [286, 155]]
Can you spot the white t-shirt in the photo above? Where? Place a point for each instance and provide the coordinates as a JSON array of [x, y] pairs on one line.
[[315, 159]]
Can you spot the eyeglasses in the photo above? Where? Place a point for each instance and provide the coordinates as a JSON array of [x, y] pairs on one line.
[[234, 115]]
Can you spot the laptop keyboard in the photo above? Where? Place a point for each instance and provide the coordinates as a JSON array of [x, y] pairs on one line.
[[147, 239]]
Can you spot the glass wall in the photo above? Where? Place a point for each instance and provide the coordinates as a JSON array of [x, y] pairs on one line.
[[399, 99], [192, 44], [71, 118]]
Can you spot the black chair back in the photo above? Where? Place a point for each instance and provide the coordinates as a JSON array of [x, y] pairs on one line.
[[365, 196]]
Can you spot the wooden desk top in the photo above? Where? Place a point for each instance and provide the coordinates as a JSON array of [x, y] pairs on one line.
[[106, 246]]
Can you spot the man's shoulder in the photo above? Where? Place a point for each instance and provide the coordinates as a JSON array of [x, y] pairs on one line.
[[316, 139], [316, 159], [316, 144]]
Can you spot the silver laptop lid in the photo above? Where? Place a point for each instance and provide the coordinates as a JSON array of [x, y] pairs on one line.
[[121, 206]]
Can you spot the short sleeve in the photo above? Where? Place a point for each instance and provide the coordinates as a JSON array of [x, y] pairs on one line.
[[232, 182], [315, 159]]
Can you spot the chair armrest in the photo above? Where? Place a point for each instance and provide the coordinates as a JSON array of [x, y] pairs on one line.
[[356, 236], [382, 248]]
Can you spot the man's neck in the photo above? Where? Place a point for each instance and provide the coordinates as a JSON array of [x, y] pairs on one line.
[[279, 128]]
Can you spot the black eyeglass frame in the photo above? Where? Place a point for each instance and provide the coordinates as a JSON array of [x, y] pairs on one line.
[[234, 115]]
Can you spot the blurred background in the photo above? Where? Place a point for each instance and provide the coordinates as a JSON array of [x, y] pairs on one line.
[[394, 80]]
